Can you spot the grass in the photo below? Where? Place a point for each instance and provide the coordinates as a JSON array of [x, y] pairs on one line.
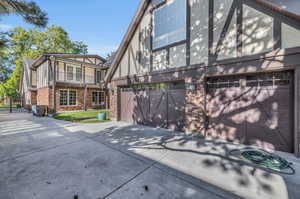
[[82, 117]]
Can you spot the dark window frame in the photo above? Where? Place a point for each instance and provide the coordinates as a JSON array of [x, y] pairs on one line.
[[98, 98], [67, 97], [185, 28]]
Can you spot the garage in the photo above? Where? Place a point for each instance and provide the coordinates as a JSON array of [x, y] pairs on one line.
[[252, 109], [159, 105]]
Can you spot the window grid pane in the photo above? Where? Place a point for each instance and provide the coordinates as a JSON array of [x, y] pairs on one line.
[[170, 24], [98, 98], [63, 99], [69, 73], [78, 74], [72, 98]]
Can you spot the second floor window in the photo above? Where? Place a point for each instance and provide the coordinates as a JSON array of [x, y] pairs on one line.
[[100, 76], [78, 74], [169, 23], [70, 73]]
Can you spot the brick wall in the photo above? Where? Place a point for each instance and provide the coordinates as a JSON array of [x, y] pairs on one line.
[[43, 96], [195, 108], [80, 100], [113, 101]]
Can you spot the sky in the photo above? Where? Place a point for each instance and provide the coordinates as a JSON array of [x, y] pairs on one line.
[[100, 24]]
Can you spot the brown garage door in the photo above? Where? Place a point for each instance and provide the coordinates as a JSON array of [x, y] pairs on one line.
[[256, 109], [127, 105], [158, 105]]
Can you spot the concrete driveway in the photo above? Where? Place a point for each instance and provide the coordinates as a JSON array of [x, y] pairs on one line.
[[44, 158]]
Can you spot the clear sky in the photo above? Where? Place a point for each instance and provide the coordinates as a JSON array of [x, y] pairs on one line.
[[101, 24]]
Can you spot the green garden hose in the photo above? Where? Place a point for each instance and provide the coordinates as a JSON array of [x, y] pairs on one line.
[[264, 159]]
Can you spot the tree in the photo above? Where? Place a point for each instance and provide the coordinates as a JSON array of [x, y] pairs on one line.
[[30, 11], [32, 44]]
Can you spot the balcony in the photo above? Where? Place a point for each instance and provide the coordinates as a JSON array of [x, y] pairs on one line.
[[75, 78]]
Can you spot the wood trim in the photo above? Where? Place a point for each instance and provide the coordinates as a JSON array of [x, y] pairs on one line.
[[83, 74], [297, 111], [239, 39], [188, 33], [225, 29], [210, 32], [277, 34], [65, 72], [178, 43], [70, 61]]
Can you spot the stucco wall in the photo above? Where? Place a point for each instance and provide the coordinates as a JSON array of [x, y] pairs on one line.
[[257, 31], [199, 31], [290, 36], [256, 35], [43, 75]]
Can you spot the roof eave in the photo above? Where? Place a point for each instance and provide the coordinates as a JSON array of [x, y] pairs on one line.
[[130, 31]]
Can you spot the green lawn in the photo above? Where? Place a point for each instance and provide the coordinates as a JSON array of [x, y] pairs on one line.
[[82, 117]]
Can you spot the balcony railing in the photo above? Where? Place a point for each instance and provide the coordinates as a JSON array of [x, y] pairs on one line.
[[77, 78]]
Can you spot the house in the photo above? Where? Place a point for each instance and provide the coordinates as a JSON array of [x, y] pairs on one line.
[[27, 87], [68, 82], [227, 69]]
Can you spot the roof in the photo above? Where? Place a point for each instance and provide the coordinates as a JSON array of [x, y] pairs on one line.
[[110, 60], [290, 8], [129, 34], [46, 56]]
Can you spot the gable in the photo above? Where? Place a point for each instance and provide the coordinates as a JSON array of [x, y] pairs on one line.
[[217, 30]]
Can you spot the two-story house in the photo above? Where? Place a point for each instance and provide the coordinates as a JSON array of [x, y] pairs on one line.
[[224, 68], [68, 82]]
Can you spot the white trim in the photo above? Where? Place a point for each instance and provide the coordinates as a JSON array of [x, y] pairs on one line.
[[68, 98]]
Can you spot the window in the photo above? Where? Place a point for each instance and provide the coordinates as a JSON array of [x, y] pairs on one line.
[[100, 76], [67, 98], [169, 23], [63, 99], [72, 98], [269, 79], [223, 82], [78, 74], [98, 98], [69, 72]]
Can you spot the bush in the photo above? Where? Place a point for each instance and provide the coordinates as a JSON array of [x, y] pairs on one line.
[[18, 106]]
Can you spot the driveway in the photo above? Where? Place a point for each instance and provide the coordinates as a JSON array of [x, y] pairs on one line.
[[44, 158]]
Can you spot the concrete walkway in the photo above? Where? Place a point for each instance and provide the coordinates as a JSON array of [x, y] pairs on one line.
[[45, 158]]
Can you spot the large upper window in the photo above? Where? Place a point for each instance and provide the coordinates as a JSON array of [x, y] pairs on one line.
[[70, 73], [169, 23]]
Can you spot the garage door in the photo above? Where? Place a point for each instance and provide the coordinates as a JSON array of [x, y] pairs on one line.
[[158, 105], [254, 109]]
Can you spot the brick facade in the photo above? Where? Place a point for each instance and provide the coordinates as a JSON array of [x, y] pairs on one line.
[[80, 100], [113, 101], [195, 107], [43, 96]]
